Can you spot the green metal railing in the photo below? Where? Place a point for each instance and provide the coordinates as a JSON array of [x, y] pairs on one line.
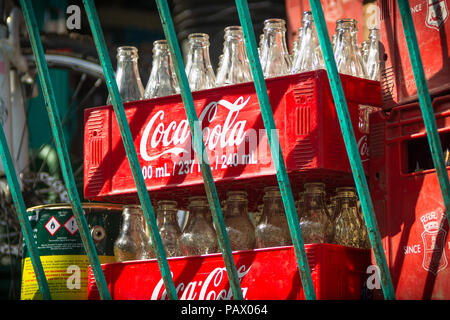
[[199, 147]]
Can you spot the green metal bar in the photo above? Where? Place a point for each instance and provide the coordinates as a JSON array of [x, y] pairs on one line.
[[61, 148], [199, 148], [275, 149], [352, 149], [425, 103], [23, 217], [130, 148]]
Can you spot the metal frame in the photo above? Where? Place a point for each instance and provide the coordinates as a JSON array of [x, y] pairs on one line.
[[199, 147]]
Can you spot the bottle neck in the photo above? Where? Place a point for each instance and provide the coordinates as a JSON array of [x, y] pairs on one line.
[[236, 208], [132, 222]]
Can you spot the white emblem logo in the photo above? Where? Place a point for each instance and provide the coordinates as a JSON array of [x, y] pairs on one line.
[[437, 13]]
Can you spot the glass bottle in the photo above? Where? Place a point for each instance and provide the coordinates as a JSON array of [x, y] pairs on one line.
[[162, 80], [296, 44], [168, 227], [273, 229], [364, 239], [348, 57], [332, 213], [198, 236], [373, 55], [127, 75], [309, 56], [348, 228], [240, 229], [300, 204], [275, 58], [132, 242], [364, 50], [199, 71], [234, 66], [315, 222]]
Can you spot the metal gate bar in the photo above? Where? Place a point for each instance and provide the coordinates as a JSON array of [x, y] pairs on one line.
[[352, 149], [61, 148], [425, 103], [275, 149], [130, 149]]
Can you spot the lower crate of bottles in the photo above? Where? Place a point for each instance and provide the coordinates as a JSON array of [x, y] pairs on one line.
[[338, 272]]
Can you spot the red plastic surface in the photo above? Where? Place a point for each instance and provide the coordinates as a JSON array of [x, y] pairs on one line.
[[337, 272], [432, 26], [408, 204], [235, 139]]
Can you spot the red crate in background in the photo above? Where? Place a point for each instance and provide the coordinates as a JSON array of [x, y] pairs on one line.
[[236, 141], [337, 272], [432, 26], [408, 201]]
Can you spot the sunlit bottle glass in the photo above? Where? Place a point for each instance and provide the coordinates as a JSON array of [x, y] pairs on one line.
[[348, 228], [364, 239], [162, 80], [365, 51], [127, 75], [273, 229], [373, 56], [309, 56], [199, 71], [198, 236], [347, 54], [168, 227], [296, 44], [275, 58], [132, 242], [315, 222], [240, 229], [234, 66]]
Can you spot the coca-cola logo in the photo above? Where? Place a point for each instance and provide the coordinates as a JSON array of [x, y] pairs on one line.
[[363, 147], [213, 287], [175, 136]]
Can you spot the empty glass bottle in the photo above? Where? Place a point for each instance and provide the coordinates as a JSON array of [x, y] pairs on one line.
[[300, 204], [315, 221], [364, 50], [132, 242], [364, 240], [275, 58], [348, 57], [240, 229], [234, 66], [162, 80], [127, 75], [373, 55], [348, 228], [168, 227], [309, 55], [296, 44], [273, 229], [199, 71], [198, 236]]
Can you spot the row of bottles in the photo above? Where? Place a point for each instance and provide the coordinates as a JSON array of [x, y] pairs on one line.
[[234, 66], [340, 222]]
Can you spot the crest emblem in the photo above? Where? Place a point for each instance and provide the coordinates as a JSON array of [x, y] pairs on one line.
[[437, 13]]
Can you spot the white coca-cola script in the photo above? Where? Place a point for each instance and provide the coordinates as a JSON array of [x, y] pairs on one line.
[[175, 136]]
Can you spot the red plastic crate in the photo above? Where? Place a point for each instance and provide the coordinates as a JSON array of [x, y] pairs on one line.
[[408, 204], [337, 272], [305, 117], [432, 26]]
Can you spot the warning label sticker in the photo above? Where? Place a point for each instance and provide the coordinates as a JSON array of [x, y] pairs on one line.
[[52, 225]]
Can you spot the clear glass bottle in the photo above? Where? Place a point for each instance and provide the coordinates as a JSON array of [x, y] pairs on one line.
[[198, 236], [240, 229], [315, 221], [132, 242], [364, 50], [273, 229], [373, 55], [296, 44], [162, 80], [309, 56], [275, 58], [199, 71], [347, 54], [234, 66], [168, 227], [127, 75], [348, 228]]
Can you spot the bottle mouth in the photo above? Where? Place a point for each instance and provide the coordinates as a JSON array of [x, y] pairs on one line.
[[307, 16], [199, 37], [347, 23], [127, 52], [314, 187], [197, 201], [160, 43], [168, 204], [275, 23]]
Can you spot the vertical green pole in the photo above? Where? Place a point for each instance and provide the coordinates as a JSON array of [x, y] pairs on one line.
[[425, 103], [23, 217], [61, 148], [275, 149], [352, 148], [199, 148], [130, 148]]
